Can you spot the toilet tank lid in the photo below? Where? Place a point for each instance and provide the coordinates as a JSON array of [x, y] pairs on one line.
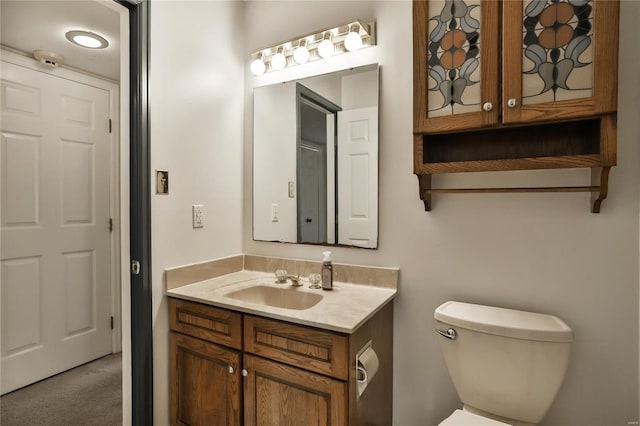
[[504, 322]]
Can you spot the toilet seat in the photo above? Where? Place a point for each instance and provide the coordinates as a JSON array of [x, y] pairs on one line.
[[465, 418]]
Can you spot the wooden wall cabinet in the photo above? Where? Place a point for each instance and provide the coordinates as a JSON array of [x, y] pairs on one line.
[[273, 372], [515, 85]]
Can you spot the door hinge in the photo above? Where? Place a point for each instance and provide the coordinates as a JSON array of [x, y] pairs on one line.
[[135, 267], [110, 225], [112, 323], [110, 123]]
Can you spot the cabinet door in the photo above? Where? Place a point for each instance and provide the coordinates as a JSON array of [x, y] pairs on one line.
[[559, 59], [280, 395], [455, 65], [204, 383]]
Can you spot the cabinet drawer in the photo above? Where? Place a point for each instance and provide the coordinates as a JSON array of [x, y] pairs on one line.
[[304, 347], [206, 322]]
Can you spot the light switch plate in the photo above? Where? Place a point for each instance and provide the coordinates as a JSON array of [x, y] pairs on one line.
[[292, 189], [198, 215], [274, 212]]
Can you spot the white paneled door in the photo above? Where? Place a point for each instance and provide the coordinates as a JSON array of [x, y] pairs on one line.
[[358, 177], [55, 247]]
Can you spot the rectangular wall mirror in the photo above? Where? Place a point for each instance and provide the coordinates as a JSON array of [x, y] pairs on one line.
[[315, 160]]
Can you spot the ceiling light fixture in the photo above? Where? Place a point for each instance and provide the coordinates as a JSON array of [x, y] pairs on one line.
[[87, 39], [323, 44]]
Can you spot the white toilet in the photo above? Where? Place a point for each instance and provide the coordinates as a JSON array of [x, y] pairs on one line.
[[506, 365]]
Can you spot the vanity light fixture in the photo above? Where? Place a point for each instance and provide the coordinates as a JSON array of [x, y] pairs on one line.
[[326, 47], [301, 53], [279, 61], [87, 39], [323, 44], [257, 65], [353, 40]]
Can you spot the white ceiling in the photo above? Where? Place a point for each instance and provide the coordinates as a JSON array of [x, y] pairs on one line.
[[29, 25]]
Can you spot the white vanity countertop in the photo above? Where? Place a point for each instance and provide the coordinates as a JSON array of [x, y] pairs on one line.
[[343, 309]]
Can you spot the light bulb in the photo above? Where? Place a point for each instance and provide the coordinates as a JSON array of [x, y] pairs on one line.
[[278, 61], [86, 39], [353, 41], [301, 54], [326, 48], [257, 66]]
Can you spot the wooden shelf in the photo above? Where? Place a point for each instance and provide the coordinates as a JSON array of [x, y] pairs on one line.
[[586, 143], [598, 188]]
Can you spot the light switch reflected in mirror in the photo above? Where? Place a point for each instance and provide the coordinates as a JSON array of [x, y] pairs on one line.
[[315, 155]]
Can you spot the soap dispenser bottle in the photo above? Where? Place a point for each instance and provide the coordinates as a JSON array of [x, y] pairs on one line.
[[327, 271]]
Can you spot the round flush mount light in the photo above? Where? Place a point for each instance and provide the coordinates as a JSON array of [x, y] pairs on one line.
[[87, 39]]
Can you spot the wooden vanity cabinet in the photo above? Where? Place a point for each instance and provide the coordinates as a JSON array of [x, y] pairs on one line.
[[514, 85], [297, 376], [201, 373], [204, 363], [273, 372], [277, 394]]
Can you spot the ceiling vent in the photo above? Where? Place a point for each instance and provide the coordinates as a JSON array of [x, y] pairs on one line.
[[49, 59]]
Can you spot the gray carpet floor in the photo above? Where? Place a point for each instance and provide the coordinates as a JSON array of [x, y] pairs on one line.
[[90, 394]]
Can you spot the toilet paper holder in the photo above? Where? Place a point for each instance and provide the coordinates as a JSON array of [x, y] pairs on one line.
[[361, 375], [367, 364]]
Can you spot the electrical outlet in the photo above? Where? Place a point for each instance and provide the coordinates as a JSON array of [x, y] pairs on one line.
[[274, 212], [198, 216], [292, 189]]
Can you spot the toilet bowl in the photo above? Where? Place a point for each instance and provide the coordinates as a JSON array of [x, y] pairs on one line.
[[506, 365]]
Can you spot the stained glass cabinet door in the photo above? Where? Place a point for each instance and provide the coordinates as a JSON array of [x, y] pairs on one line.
[[456, 73], [559, 59]]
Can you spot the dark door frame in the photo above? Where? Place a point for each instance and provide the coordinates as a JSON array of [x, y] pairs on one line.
[[304, 93], [140, 215]]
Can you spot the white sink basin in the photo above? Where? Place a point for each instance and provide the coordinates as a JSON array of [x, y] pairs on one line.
[[288, 298]]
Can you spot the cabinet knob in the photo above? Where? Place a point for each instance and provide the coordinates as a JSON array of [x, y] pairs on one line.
[[231, 370], [511, 103], [244, 373], [488, 106]]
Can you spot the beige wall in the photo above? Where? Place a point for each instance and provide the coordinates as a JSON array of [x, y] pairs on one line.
[[196, 105], [541, 252]]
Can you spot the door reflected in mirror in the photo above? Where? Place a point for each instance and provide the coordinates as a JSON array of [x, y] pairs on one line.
[[315, 160]]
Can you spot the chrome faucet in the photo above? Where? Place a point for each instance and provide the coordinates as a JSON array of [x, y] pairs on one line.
[[295, 280]]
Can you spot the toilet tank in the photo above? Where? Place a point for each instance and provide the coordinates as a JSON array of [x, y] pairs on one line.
[[504, 362]]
